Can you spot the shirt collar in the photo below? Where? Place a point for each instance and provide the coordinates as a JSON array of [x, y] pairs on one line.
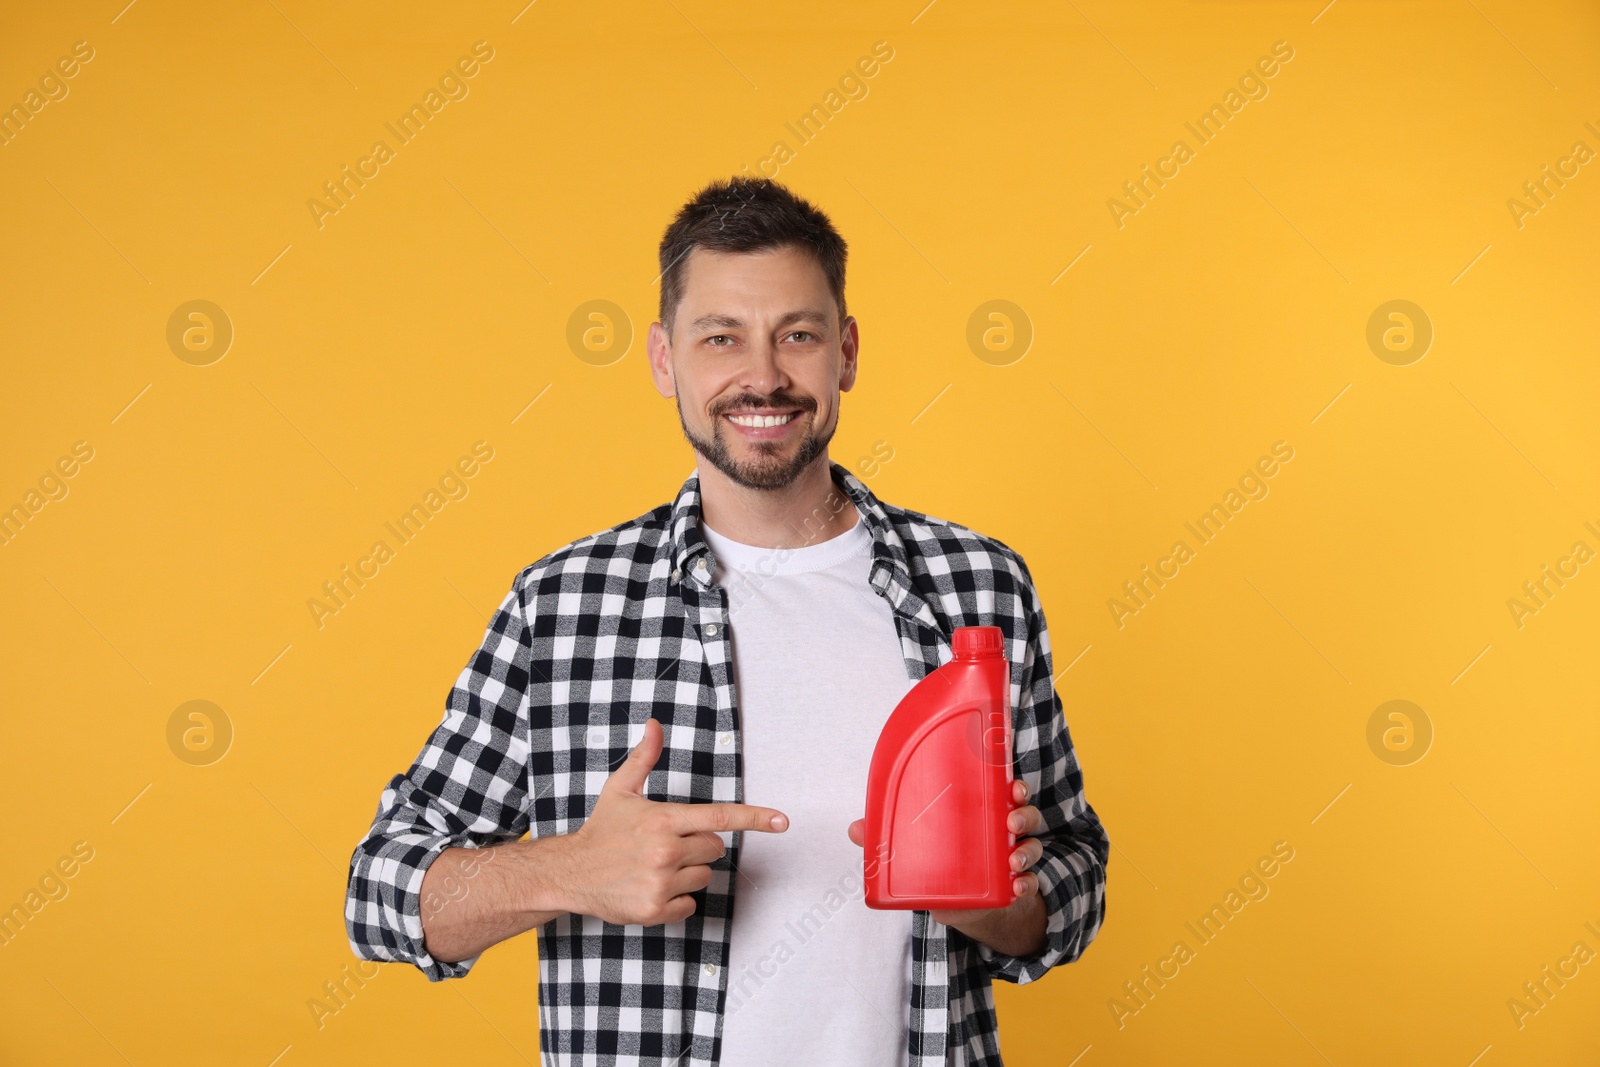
[[692, 556]]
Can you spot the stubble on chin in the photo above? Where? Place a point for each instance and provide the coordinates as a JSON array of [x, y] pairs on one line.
[[772, 472]]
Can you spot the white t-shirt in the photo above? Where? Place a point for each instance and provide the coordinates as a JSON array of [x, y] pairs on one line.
[[815, 976]]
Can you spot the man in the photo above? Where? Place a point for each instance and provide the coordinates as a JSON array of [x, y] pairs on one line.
[[680, 712]]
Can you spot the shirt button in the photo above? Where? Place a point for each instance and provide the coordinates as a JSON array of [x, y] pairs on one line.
[[725, 739], [677, 573], [712, 629], [711, 968]]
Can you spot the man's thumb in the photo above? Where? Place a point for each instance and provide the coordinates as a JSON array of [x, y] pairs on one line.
[[636, 768]]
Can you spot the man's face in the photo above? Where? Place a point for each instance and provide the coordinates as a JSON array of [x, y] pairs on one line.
[[757, 360]]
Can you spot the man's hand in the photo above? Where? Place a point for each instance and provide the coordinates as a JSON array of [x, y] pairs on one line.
[[636, 860], [1021, 923]]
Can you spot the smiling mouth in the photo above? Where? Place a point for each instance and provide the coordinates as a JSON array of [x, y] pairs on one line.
[[761, 421]]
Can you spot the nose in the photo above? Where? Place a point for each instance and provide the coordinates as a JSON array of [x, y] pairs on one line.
[[762, 374]]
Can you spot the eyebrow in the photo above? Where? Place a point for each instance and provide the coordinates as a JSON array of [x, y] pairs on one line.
[[730, 322]]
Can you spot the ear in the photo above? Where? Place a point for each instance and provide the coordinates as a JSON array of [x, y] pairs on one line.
[[659, 351], [849, 348]]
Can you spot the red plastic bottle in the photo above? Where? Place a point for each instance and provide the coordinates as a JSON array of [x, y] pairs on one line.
[[939, 787]]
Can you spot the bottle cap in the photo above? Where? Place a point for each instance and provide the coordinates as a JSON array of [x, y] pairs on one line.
[[970, 642]]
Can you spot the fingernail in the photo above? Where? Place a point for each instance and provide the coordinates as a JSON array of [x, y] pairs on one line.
[[779, 822]]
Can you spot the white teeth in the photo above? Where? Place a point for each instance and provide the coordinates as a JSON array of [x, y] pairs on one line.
[[762, 420]]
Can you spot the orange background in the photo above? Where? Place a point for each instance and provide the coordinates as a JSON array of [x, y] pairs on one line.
[[1168, 349]]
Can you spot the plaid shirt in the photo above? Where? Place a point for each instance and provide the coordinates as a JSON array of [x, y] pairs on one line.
[[625, 624]]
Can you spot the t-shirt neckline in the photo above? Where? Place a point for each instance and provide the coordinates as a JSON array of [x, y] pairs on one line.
[[796, 559]]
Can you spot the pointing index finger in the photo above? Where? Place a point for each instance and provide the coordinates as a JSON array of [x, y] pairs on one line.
[[719, 818]]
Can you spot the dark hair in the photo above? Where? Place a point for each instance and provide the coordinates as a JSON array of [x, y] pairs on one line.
[[747, 215]]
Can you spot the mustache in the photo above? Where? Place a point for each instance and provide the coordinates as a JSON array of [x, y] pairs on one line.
[[779, 400]]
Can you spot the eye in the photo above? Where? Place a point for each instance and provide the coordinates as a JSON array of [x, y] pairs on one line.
[[803, 333], [712, 338]]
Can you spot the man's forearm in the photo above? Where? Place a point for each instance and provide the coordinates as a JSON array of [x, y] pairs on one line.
[[476, 897], [1017, 930]]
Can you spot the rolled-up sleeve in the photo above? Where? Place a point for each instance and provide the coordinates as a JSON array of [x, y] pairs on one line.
[[468, 788], [1072, 868]]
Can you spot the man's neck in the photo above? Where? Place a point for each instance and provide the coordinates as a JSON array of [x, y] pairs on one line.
[[809, 511]]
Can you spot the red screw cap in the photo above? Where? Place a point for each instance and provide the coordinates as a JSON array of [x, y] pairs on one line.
[[970, 642]]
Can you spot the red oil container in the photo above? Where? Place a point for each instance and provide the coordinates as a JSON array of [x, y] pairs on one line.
[[939, 787]]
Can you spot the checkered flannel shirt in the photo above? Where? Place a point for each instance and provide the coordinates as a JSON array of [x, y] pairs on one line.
[[625, 624]]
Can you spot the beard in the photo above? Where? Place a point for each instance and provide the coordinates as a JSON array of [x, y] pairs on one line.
[[766, 468]]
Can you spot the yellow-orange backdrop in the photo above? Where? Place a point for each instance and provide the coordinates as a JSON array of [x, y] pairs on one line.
[[187, 484]]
